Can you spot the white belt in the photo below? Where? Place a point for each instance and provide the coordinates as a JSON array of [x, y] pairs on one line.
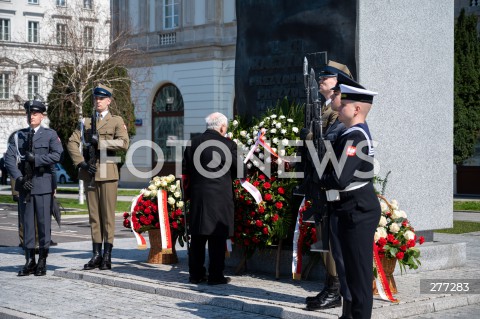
[[353, 186]]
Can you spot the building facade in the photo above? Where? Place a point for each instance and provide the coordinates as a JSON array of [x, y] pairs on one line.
[[37, 35], [189, 56]]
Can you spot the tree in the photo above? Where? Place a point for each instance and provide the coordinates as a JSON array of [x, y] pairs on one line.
[[64, 115], [467, 87]]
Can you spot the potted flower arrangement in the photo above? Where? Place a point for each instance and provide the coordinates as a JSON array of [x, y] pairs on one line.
[[145, 215], [395, 237]]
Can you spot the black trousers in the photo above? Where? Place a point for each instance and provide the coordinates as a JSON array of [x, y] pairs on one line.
[[355, 231], [337, 255], [216, 255]]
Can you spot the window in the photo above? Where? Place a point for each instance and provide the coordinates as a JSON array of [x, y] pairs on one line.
[[171, 9], [32, 1], [4, 87], [88, 37], [4, 30], [87, 4], [61, 34], [33, 86], [167, 120], [32, 31], [61, 3]]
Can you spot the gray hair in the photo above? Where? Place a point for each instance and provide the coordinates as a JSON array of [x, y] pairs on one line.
[[216, 120]]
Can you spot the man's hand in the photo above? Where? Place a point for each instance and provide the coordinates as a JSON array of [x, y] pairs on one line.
[[27, 185], [92, 169], [29, 156], [94, 140]]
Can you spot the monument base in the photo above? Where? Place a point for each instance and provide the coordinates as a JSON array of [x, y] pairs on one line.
[[434, 256]]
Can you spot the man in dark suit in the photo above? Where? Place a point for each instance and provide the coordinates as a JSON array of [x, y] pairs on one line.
[[35, 191], [210, 162]]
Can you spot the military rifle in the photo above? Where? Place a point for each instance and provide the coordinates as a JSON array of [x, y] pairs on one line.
[[92, 147], [28, 167]]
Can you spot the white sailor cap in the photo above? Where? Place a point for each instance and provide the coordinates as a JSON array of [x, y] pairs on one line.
[[356, 94]]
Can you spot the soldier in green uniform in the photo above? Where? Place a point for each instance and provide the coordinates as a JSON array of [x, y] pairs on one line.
[[101, 193]]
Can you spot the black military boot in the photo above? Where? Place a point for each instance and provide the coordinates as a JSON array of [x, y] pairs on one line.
[[321, 294], [107, 257], [346, 310], [42, 262], [30, 265], [332, 298], [96, 259]]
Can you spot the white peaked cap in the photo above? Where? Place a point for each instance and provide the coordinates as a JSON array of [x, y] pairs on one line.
[[356, 94]]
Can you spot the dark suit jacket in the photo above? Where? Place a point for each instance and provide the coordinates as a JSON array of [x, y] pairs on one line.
[[47, 149], [210, 188]]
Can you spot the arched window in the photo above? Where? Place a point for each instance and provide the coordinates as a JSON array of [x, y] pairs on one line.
[[167, 120]]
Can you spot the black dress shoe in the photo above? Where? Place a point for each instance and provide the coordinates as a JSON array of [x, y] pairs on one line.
[[52, 243], [319, 297], [197, 281], [332, 300], [221, 281]]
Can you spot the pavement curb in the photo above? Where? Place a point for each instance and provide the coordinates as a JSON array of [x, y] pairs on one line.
[[425, 304]]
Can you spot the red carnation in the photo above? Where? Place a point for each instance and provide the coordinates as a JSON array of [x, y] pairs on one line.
[[175, 225], [148, 211], [279, 205], [151, 217], [403, 248], [267, 185], [390, 238], [259, 223], [157, 225], [237, 182], [275, 217], [262, 177], [421, 240], [411, 243], [272, 179], [126, 215], [261, 209], [255, 239], [252, 214], [268, 197], [281, 191], [256, 183], [399, 255], [382, 242], [136, 226], [126, 223], [265, 230], [248, 202], [395, 242]]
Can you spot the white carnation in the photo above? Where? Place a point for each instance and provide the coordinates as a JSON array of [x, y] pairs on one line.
[[394, 204], [230, 135], [402, 214], [383, 221], [147, 193], [180, 204], [153, 193], [383, 207], [275, 140], [283, 131], [152, 187], [170, 178], [177, 194], [273, 116], [281, 117], [394, 228], [409, 235], [172, 188], [235, 123], [171, 200], [295, 129], [163, 183], [250, 141], [261, 124], [284, 142], [281, 153], [278, 125], [243, 133], [249, 165], [380, 233], [273, 130]]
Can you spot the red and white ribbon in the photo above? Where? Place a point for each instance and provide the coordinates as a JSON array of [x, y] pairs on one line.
[[381, 280], [252, 190], [141, 243], [298, 244], [164, 221], [260, 141]]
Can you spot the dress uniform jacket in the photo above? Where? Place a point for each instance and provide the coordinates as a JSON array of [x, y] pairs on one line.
[[48, 151], [211, 199], [111, 127]]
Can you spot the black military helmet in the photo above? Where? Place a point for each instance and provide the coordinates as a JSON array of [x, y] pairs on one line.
[[36, 106]]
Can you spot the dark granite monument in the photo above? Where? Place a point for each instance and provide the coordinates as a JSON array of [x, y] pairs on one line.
[[274, 36]]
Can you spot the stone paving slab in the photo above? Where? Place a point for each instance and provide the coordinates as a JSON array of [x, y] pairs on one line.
[[255, 294]]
